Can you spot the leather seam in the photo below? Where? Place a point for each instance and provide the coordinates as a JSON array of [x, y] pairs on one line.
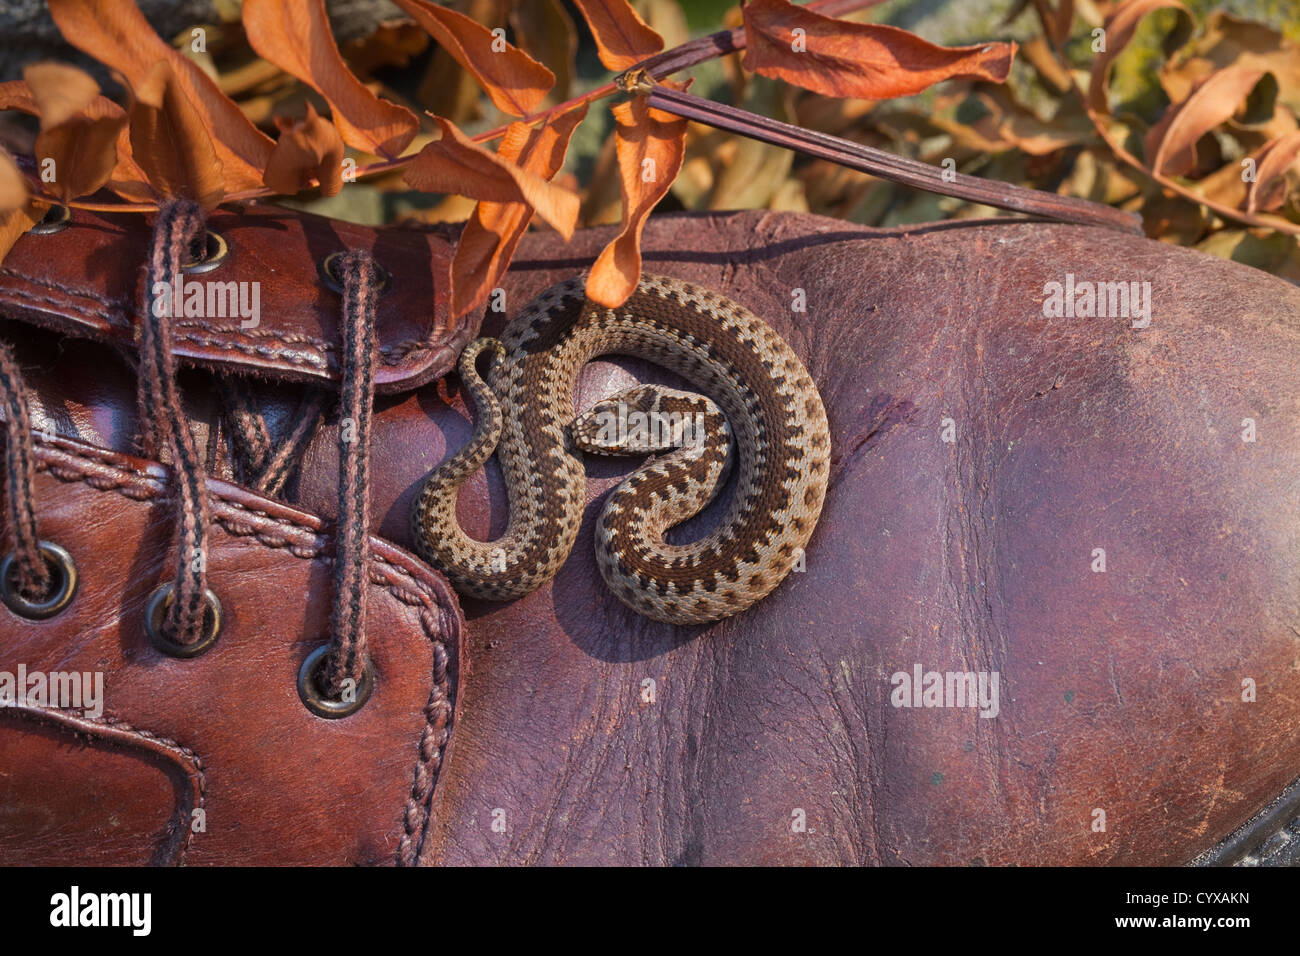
[[394, 354], [439, 711], [188, 758]]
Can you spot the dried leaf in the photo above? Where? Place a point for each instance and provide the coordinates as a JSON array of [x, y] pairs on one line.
[[127, 178], [1118, 32], [650, 145], [296, 37], [622, 38], [13, 188], [170, 140], [1214, 101], [839, 58], [1268, 191], [116, 33], [309, 148], [515, 81], [456, 164], [489, 238], [77, 134], [1228, 41], [15, 222]]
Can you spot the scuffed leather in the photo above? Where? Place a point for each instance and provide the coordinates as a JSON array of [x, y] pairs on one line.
[[1120, 691]]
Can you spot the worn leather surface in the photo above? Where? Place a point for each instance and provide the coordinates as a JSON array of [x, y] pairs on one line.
[[1119, 691], [216, 759]]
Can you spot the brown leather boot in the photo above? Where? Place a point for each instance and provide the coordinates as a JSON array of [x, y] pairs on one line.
[[1095, 521]]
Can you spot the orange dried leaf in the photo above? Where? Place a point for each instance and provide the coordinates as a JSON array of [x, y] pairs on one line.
[[307, 149], [127, 179], [455, 164], [296, 37], [492, 233], [17, 221], [650, 145], [1213, 101], [515, 81], [622, 38], [77, 145], [1268, 191], [13, 188], [116, 33], [171, 142], [1118, 32], [863, 60]]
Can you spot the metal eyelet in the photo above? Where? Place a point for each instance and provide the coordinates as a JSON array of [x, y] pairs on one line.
[[57, 218], [62, 568], [309, 675], [155, 614], [214, 253], [330, 276]]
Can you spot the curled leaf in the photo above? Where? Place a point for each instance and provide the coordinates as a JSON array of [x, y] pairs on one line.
[[515, 81], [309, 148], [622, 38], [296, 37], [126, 179], [1268, 191], [170, 140], [1118, 33], [455, 164], [864, 60], [650, 145], [1212, 102], [490, 236], [77, 145], [117, 34]]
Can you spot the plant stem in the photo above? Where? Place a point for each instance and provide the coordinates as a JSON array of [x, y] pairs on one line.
[[898, 169]]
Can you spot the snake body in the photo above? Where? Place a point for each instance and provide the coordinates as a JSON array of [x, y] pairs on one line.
[[759, 414]]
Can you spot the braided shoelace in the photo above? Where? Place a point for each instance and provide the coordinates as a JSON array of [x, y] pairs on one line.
[[190, 611]]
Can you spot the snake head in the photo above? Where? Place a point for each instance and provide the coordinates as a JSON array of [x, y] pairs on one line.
[[649, 420]]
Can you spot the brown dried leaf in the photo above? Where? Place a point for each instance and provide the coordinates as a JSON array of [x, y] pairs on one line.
[[490, 236], [515, 81], [839, 58], [1173, 141], [17, 221], [126, 179], [1228, 41], [296, 37], [1119, 29], [77, 132], [622, 38], [1268, 191], [456, 164], [116, 33], [13, 188], [650, 145], [170, 141], [309, 148]]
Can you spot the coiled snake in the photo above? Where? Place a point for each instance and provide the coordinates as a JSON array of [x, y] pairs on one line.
[[758, 392]]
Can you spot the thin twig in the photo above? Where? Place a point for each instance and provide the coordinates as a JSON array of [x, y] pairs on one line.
[[898, 169]]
